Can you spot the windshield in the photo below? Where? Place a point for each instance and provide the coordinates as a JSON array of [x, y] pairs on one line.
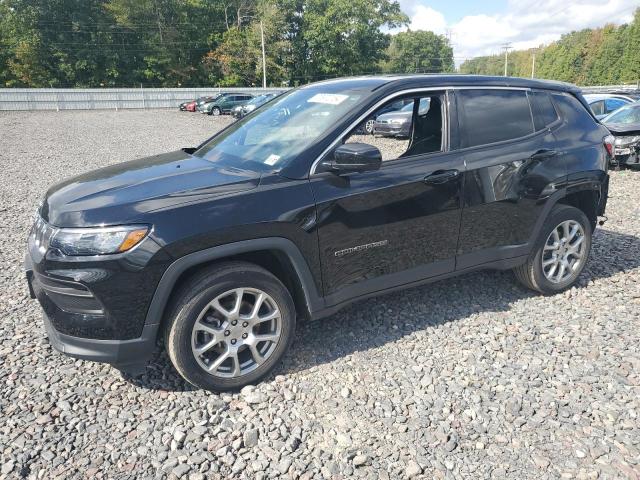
[[280, 130], [257, 99], [628, 114]]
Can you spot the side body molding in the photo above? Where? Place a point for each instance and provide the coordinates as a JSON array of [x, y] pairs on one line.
[[312, 299]]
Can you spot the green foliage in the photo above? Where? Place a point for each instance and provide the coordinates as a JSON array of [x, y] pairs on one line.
[[419, 52], [601, 56], [89, 43]]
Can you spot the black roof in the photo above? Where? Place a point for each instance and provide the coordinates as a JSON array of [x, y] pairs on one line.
[[444, 80]]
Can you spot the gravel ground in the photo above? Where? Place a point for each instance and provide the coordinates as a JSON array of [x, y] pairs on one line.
[[473, 377]]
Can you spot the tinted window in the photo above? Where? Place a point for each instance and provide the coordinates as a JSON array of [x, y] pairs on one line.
[[574, 113], [543, 112], [491, 116]]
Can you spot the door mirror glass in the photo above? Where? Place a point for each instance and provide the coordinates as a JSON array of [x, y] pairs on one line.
[[354, 157]]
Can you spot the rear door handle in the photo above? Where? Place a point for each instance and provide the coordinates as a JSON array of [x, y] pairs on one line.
[[544, 153], [441, 176]]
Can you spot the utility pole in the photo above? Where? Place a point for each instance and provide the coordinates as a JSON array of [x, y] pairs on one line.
[[533, 64], [264, 58], [506, 46]]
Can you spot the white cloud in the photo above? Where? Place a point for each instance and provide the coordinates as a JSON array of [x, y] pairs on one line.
[[525, 23], [426, 18]]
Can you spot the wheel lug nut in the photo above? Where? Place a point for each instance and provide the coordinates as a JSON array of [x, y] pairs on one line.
[[244, 335], [235, 322], [245, 324], [233, 341], [227, 333]]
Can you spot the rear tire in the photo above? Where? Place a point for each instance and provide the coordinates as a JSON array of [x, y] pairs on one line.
[[557, 259], [229, 326]]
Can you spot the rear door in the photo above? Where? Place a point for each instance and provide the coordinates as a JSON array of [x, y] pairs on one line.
[[511, 165]]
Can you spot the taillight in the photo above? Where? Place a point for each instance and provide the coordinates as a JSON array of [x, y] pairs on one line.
[[608, 144]]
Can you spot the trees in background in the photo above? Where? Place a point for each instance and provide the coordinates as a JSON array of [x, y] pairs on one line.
[[600, 56], [419, 52], [90, 43]]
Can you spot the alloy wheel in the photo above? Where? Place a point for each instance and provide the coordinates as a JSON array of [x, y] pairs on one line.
[[368, 126], [236, 332], [564, 252]]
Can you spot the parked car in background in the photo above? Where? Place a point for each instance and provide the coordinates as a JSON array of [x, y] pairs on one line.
[[602, 104], [206, 99], [368, 125], [225, 103], [220, 249], [624, 125], [252, 104], [188, 106], [398, 123]]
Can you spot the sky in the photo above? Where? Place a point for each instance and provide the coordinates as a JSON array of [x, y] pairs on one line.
[[482, 27]]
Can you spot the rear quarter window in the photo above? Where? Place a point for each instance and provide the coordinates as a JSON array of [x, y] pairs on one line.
[[490, 116], [574, 112]]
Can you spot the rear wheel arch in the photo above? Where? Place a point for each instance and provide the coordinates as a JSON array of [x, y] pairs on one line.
[[586, 200]]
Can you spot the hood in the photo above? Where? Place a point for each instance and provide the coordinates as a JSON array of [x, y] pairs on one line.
[[123, 193], [623, 128], [395, 115]]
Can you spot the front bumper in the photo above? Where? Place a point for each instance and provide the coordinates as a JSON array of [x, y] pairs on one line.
[[128, 355]]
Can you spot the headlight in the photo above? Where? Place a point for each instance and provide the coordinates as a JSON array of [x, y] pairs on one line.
[[626, 141], [250, 108], [98, 241]]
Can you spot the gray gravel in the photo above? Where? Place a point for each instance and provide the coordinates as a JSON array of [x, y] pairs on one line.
[[473, 377]]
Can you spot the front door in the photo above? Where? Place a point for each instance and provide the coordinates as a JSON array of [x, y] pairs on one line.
[[399, 224]]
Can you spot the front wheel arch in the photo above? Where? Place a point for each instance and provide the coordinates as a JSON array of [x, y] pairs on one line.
[[304, 291]]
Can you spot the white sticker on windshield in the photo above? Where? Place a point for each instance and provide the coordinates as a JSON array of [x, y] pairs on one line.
[[272, 159], [328, 98]]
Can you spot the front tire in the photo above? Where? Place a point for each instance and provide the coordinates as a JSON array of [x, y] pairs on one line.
[[229, 326], [560, 252], [215, 111]]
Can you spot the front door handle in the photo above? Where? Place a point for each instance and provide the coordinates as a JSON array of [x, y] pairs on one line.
[[441, 176], [544, 153]]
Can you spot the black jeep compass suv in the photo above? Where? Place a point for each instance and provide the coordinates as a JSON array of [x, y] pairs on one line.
[[292, 213]]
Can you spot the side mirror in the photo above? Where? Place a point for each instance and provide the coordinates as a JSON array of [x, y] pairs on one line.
[[354, 157]]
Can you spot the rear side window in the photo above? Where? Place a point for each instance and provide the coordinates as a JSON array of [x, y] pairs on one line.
[[544, 114], [490, 116]]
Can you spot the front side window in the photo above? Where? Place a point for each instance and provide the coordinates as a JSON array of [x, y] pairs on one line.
[[281, 130], [404, 128], [490, 116]]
